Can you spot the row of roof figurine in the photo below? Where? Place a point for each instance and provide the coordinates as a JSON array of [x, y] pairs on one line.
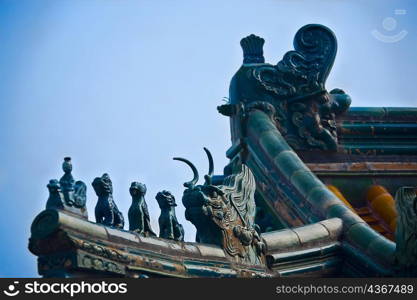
[[70, 195]]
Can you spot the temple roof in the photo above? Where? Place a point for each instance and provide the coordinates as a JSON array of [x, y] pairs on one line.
[[314, 187], [90, 247]]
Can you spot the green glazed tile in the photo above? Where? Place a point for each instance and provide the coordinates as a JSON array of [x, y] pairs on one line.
[[288, 162], [305, 181], [271, 144], [361, 235]]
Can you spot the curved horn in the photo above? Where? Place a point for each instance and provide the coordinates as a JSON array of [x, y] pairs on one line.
[[211, 166], [189, 184]]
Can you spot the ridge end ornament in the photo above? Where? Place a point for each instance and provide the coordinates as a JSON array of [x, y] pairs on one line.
[[305, 111]]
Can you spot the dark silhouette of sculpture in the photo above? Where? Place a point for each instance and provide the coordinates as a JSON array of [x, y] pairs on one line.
[[406, 231], [106, 210], [169, 227], [224, 215], [67, 182], [80, 194], [68, 194], [74, 192], [139, 220], [56, 199]]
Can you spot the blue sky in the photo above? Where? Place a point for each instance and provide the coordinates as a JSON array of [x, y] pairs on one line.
[[123, 86]]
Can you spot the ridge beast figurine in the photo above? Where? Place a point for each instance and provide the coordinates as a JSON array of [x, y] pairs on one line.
[[224, 215], [106, 210], [169, 227], [55, 199], [139, 220], [67, 194]]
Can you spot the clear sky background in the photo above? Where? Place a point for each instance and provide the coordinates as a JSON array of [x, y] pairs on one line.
[[123, 86]]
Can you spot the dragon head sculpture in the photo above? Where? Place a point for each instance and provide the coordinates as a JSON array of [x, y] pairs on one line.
[[224, 214], [305, 111]]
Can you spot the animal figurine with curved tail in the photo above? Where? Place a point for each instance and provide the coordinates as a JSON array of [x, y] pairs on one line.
[[139, 220], [169, 227], [406, 231], [106, 210]]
